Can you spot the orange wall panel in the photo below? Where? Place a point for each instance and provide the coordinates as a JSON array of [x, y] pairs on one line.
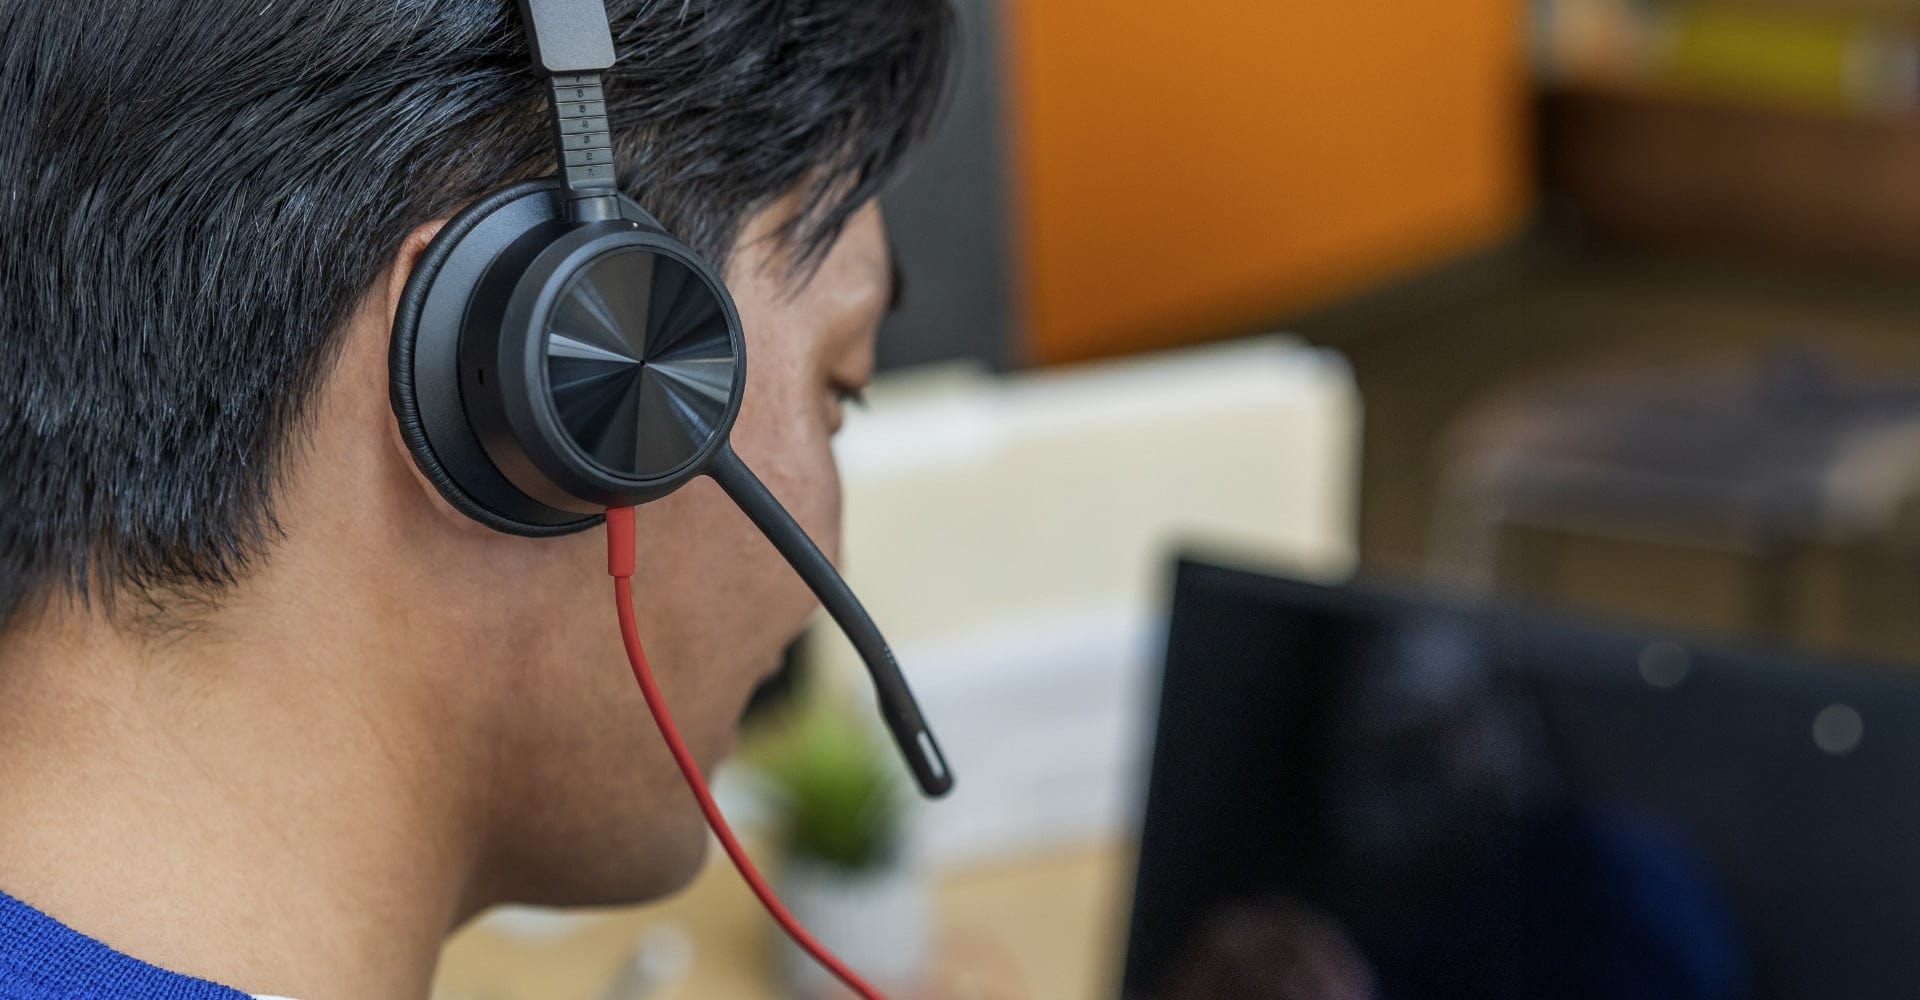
[[1186, 169]]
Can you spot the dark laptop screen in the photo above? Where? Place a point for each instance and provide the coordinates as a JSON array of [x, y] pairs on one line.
[[1356, 793]]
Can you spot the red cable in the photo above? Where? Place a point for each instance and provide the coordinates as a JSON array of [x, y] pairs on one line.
[[620, 564]]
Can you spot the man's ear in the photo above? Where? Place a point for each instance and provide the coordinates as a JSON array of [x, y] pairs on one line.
[[404, 261]]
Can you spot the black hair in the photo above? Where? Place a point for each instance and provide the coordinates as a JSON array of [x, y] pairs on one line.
[[196, 194]]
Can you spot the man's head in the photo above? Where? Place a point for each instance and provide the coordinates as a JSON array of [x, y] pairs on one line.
[[207, 212]]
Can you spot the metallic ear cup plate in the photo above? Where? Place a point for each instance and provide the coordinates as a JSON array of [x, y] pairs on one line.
[[601, 366], [640, 363]]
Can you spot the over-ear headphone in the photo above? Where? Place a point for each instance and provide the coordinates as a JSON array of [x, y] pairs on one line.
[[557, 353]]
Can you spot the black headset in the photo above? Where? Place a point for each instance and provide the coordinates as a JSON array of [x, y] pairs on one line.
[[556, 353]]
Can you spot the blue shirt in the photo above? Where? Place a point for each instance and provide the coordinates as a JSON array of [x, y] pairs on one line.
[[44, 959]]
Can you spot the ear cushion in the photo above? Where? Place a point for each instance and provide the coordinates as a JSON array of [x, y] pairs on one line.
[[422, 363]]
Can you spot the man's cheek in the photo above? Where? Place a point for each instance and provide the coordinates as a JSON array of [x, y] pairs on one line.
[[816, 488]]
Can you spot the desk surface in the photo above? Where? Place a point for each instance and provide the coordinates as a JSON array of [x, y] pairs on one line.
[[1048, 928]]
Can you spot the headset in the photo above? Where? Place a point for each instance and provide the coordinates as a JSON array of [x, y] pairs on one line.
[[559, 357], [557, 352]]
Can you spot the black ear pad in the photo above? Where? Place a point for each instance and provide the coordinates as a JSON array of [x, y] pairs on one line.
[[543, 370]]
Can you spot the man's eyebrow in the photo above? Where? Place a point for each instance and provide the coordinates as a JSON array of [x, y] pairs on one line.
[[896, 280]]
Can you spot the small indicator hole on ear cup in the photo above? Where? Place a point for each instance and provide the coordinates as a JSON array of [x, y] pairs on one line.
[[481, 374]]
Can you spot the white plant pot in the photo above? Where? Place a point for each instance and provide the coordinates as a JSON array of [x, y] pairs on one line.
[[875, 920]]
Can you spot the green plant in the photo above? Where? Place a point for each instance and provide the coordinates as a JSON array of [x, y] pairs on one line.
[[836, 790]]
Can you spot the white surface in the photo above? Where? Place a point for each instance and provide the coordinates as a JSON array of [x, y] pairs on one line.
[[1046, 724], [1014, 537]]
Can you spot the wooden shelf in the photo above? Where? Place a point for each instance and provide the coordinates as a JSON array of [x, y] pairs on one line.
[[1642, 163]]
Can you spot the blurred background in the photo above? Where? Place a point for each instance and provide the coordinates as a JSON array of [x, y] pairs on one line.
[[1600, 308]]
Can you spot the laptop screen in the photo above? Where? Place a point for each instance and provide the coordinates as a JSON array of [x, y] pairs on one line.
[[1357, 793]]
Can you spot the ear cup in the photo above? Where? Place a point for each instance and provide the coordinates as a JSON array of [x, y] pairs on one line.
[[423, 365], [542, 370], [601, 366]]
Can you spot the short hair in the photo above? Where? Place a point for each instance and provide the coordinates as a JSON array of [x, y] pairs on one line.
[[196, 194]]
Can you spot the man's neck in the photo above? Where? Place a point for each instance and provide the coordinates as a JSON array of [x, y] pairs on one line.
[[176, 801]]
